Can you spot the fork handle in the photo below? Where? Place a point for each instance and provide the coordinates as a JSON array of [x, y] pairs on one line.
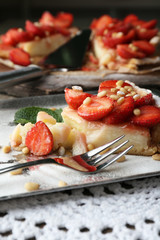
[[27, 164]]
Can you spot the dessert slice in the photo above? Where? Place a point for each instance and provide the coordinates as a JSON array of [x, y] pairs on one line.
[[131, 112], [37, 39], [127, 45]]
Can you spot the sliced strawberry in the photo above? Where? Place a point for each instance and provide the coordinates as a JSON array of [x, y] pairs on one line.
[[150, 24], [112, 42], [144, 100], [130, 18], [75, 98], [102, 22], [20, 57], [149, 117], [146, 34], [126, 52], [96, 109], [33, 29], [120, 113], [145, 46], [39, 139], [14, 36], [64, 20], [5, 50], [47, 19]]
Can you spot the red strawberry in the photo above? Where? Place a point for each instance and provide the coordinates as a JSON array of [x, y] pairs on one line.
[[96, 109], [120, 112], [64, 20], [150, 116], [150, 24], [20, 57], [130, 18], [33, 29], [147, 99], [75, 98], [126, 52], [47, 19], [146, 34], [39, 139], [14, 36], [145, 46]]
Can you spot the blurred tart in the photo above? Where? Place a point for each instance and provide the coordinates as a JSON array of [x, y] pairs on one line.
[[129, 45], [37, 39]]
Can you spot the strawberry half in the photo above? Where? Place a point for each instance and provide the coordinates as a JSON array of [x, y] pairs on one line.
[[39, 139], [75, 98], [120, 112], [33, 29], [149, 117], [96, 109], [20, 57], [145, 46]]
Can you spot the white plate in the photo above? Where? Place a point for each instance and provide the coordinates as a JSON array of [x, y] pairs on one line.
[[48, 176]]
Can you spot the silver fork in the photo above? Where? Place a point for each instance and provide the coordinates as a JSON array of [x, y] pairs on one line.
[[89, 157]]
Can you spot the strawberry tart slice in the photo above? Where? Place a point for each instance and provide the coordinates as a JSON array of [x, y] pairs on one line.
[[124, 45], [37, 39], [119, 108]]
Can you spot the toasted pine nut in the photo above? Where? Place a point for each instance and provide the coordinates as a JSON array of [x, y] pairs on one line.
[[62, 183], [17, 171], [133, 93], [134, 48], [136, 111], [25, 150], [87, 100], [102, 94], [114, 97], [90, 146], [61, 151], [77, 88], [122, 89], [119, 83], [136, 96], [31, 186], [120, 93], [121, 159], [120, 100], [114, 90], [6, 149], [156, 156]]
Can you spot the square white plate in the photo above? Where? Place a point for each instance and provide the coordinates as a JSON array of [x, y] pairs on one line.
[[48, 176]]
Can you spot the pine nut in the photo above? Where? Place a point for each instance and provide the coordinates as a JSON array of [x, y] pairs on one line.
[[114, 97], [133, 93], [135, 97], [120, 93], [6, 149], [136, 111], [61, 151], [121, 159], [102, 94], [77, 88], [25, 150], [90, 146], [17, 172], [62, 183], [156, 156], [120, 100], [87, 100], [119, 83], [31, 186], [123, 90], [114, 90]]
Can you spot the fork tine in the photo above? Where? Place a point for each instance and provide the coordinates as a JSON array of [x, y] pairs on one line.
[[106, 164], [103, 156], [94, 152]]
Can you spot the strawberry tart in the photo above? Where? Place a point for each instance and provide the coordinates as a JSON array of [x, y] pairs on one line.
[[37, 39], [128, 45], [118, 108]]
